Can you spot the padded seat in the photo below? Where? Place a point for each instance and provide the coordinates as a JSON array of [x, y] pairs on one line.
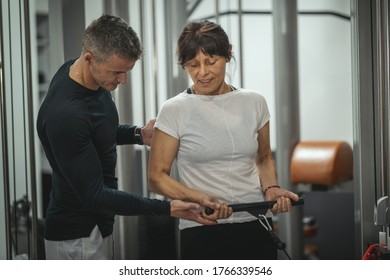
[[321, 162]]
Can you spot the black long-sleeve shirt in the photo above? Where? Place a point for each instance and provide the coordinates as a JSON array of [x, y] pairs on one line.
[[79, 130]]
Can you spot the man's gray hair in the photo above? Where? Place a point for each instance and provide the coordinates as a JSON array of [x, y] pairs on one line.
[[110, 35]]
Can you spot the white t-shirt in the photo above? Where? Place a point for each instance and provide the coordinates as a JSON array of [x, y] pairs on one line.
[[218, 145]]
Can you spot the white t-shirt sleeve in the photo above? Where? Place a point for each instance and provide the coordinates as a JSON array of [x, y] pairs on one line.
[[263, 113], [168, 119]]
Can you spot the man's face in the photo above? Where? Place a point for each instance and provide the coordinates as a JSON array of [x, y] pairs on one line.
[[110, 73]]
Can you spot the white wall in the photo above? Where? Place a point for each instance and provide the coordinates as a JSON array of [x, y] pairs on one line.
[[325, 72]]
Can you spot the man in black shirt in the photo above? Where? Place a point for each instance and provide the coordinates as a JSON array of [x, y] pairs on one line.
[[79, 129]]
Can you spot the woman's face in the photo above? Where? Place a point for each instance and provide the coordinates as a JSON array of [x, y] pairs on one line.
[[207, 73]]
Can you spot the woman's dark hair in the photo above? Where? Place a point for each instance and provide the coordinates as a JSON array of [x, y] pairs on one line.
[[205, 36]]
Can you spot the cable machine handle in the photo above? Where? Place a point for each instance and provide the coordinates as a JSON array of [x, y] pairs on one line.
[[263, 205]]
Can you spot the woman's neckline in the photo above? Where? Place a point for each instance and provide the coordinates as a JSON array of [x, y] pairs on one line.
[[191, 91]]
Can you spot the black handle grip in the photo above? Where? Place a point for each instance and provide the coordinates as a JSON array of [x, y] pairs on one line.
[[253, 206]]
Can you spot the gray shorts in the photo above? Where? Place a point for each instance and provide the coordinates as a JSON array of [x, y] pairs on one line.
[[94, 247]]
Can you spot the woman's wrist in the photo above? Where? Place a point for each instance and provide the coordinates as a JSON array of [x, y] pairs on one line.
[[270, 187]]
